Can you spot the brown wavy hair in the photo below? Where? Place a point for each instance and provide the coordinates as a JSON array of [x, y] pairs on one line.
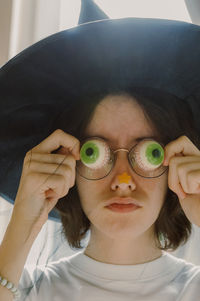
[[172, 117]]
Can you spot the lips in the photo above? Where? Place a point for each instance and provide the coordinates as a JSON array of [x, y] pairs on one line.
[[122, 201]]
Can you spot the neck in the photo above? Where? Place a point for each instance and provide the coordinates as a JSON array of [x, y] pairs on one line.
[[121, 250]]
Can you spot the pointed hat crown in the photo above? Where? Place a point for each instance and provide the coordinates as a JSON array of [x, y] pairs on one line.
[[90, 11]]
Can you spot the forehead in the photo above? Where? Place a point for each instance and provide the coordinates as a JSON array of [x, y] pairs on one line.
[[119, 119], [118, 110]]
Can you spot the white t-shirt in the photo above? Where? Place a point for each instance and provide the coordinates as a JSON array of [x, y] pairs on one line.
[[81, 278]]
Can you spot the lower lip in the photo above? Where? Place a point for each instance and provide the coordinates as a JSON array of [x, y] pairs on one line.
[[122, 207]]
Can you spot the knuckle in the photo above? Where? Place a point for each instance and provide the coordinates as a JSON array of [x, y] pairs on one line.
[[65, 171], [58, 132], [69, 182], [72, 160], [62, 180], [64, 187], [184, 137], [68, 170], [171, 185], [27, 158], [28, 155], [68, 177], [77, 141]]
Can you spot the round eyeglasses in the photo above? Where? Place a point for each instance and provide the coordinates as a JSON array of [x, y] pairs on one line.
[[97, 158]]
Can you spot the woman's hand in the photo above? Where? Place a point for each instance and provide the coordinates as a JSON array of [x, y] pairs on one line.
[[46, 177], [183, 159]]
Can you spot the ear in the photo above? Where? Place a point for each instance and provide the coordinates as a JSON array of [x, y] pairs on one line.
[[90, 11]]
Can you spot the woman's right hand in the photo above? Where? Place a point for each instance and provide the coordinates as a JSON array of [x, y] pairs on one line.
[[46, 177]]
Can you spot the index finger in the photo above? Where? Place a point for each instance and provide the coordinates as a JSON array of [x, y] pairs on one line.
[[180, 147], [55, 140]]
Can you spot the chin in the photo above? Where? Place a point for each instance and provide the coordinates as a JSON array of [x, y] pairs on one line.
[[120, 229]]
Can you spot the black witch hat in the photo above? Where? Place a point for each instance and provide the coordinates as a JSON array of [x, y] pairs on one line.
[[37, 83]]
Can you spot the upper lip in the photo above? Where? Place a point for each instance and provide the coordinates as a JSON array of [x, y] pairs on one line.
[[118, 200]]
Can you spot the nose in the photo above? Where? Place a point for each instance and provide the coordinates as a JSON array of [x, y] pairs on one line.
[[123, 181]]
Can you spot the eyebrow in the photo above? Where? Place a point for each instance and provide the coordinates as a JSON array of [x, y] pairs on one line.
[[138, 139]]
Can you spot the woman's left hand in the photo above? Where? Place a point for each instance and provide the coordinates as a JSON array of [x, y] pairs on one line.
[[183, 159]]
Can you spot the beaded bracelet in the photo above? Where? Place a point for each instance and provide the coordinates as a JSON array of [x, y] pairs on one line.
[[4, 282]]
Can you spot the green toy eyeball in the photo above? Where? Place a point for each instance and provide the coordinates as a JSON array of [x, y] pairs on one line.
[[95, 154], [149, 154]]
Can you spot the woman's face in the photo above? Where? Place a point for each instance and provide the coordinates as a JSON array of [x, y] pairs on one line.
[[121, 121]]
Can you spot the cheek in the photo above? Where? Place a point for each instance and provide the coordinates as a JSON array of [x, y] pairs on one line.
[[158, 188], [86, 188], [158, 183], [87, 191]]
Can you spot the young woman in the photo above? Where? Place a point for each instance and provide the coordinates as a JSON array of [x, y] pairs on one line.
[[124, 205], [125, 164]]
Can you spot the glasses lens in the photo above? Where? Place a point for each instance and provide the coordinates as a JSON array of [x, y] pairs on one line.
[[96, 159], [146, 158]]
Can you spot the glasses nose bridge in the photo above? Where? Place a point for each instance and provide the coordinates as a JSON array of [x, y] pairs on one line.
[[121, 149]]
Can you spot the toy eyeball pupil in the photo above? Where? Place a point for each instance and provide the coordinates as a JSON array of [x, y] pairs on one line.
[[89, 151], [156, 153]]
